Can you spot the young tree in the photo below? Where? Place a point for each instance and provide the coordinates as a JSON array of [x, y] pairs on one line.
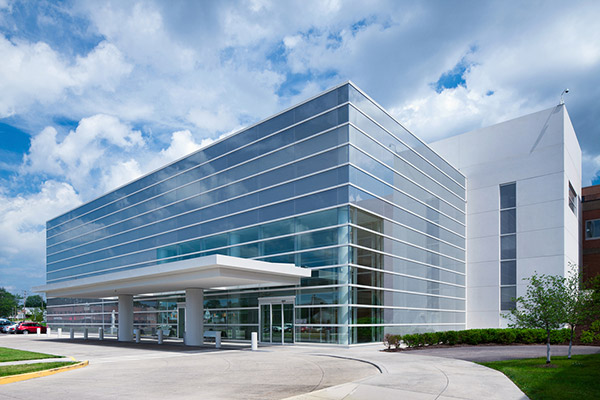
[[542, 307], [578, 306]]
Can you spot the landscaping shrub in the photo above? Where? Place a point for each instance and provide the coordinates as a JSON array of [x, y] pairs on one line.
[[429, 338], [483, 336], [390, 340], [386, 340], [451, 337], [560, 336], [473, 337], [463, 337], [410, 340], [442, 337], [525, 336], [506, 336], [592, 334]]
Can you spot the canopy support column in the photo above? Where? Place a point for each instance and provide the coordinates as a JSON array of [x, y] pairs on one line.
[[125, 332], [194, 317]]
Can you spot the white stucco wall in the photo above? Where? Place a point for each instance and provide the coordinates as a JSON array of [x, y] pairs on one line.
[[541, 154]]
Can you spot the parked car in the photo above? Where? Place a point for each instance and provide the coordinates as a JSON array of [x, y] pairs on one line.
[[10, 328], [29, 327], [3, 324]]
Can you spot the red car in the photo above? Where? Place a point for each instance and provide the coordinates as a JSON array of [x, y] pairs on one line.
[[29, 327]]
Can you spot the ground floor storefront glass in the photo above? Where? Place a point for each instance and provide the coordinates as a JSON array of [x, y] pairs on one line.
[[370, 275]]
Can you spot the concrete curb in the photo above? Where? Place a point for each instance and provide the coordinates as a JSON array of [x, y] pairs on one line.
[[38, 374]]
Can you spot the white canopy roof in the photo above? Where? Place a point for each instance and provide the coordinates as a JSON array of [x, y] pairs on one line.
[[209, 272]]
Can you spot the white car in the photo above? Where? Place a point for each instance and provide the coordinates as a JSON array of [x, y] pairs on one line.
[[11, 328], [4, 323]]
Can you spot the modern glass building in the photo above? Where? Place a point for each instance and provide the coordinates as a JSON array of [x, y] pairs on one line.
[[334, 185]]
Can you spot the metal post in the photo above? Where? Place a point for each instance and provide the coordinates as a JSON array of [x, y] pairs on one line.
[[72, 333], [160, 336], [218, 339], [59, 333], [48, 331], [85, 333], [254, 341], [137, 335], [100, 333], [38, 331]]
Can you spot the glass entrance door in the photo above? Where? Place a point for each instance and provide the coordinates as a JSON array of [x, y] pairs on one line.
[[265, 323], [277, 320]]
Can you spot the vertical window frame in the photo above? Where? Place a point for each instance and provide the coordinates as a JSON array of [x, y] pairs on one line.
[[506, 205], [572, 198]]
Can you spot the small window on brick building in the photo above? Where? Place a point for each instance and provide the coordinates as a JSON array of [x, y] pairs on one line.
[[572, 199], [592, 229]]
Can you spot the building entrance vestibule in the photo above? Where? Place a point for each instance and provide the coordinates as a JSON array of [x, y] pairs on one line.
[[276, 319]]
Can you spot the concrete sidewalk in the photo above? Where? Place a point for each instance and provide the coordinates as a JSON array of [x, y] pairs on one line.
[[152, 371], [413, 376], [36, 361]]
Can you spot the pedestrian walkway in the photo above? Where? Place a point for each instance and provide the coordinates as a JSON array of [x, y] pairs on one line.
[[306, 372], [409, 375]]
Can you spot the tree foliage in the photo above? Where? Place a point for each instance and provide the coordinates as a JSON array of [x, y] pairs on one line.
[[8, 302], [578, 305], [35, 301], [542, 307]]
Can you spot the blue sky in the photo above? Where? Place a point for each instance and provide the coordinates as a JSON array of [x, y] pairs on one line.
[[95, 94]]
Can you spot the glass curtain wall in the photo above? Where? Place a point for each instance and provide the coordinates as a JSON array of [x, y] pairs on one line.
[[407, 228], [151, 313], [334, 184]]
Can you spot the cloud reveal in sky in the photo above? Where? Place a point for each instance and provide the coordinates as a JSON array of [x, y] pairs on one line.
[[95, 94]]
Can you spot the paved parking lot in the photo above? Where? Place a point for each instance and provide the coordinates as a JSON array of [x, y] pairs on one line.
[[150, 371]]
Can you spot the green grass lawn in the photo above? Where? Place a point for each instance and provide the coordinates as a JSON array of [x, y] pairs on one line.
[[576, 378], [7, 354], [25, 368]]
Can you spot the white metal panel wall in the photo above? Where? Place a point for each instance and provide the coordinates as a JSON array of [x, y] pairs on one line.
[[541, 154]]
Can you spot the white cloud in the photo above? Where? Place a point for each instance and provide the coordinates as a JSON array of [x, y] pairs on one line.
[[85, 154], [212, 120], [35, 74], [29, 72], [182, 143], [22, 229], [103, 67], [205, 69], [119, 174]]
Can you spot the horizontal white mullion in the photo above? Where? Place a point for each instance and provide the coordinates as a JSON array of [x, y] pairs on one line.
[[413, 150], [404, 258], [173, 258], [199, 165], [405, 193], [408, 211], [386, 289], [416, 137], [441, 185], [188, 226], [408, 324], [384, 165], [406, 275], [406, 243], [201, 194]]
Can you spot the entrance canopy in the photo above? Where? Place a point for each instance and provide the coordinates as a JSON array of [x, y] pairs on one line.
[[209, 272]]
